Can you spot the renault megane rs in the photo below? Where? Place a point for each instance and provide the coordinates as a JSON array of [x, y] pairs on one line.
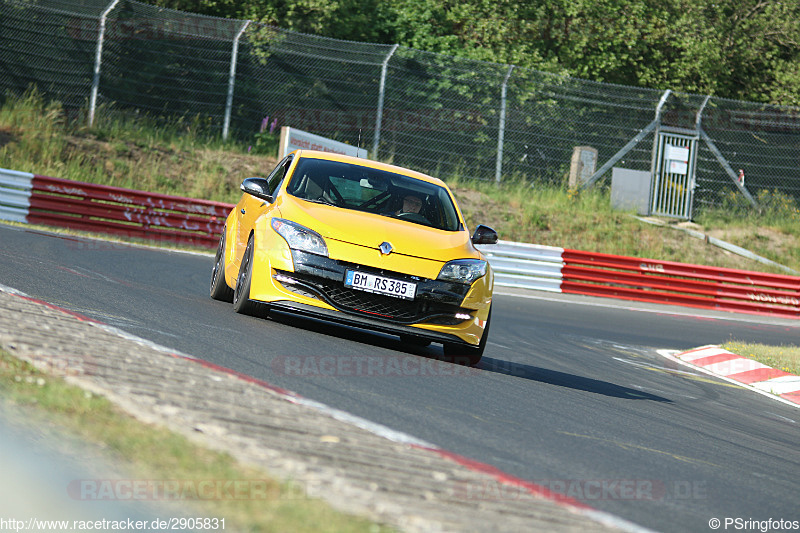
[[362, 243]]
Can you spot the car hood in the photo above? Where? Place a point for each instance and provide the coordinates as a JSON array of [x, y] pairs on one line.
[[370, 230]]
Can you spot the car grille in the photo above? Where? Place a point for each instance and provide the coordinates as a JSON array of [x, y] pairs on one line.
[[374, 305]]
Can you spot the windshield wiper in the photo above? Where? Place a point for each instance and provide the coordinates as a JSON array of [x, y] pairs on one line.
[[322, 201]]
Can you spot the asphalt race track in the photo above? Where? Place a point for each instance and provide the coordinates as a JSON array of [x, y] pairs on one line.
[[571, 393]]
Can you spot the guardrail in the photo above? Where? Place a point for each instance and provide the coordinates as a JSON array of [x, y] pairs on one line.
[[35, 199], [31, 198], [546, 268]]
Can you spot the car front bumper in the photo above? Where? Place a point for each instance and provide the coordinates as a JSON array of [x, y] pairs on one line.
[[314, 286]]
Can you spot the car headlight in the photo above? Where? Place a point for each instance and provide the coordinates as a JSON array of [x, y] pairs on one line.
[[463, 270], [300, 237]]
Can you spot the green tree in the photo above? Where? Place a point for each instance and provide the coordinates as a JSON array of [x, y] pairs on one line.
[[741, 49]]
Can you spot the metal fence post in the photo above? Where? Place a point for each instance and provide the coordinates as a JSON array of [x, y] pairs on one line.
[[231, 81], [698, 118], [502, 127], [381, 92], [97, 60], [656, 129], [720, 158]]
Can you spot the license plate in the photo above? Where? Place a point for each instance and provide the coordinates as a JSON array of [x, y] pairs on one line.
[[380, 285]]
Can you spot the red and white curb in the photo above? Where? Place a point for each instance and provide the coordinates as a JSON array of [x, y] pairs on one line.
[[744, 371]]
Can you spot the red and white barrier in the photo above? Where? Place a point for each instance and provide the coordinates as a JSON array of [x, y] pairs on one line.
[[36, 199], [668, 282], [589, 273]]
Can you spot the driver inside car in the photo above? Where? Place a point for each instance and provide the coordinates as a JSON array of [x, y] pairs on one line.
[[411, 204]]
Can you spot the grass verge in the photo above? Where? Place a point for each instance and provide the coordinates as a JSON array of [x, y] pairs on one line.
[[154, 453], [786, 358]]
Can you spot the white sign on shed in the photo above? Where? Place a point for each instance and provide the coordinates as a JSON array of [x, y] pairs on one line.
[[293, 139]]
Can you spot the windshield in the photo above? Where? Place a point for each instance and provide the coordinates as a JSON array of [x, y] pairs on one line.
[[359, 188]]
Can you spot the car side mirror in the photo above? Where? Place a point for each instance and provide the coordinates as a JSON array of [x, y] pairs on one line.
[[258, 187], [484, 235]]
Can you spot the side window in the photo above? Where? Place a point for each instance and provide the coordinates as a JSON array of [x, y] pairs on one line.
[[277, 175]]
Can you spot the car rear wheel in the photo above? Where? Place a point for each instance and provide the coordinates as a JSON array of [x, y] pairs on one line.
[[219, 288], [241, 295], [468, 355]]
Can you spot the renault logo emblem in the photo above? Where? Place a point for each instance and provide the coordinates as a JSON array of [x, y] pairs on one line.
[[385, 248]]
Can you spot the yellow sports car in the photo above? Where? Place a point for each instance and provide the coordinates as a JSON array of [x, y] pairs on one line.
[[361, 243]]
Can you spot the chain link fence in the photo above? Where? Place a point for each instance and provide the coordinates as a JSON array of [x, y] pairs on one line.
[[446, 116]]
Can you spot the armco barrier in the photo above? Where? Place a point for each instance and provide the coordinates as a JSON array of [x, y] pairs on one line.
[[525, 266], [15, 193], [36, 199], [647, 280], [32, 198]]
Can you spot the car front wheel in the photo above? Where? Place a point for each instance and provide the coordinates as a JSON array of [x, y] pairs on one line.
[[468, 355], [241, 295], [219, 289]]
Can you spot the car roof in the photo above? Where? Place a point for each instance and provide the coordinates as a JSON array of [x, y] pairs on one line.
[[330, 156]]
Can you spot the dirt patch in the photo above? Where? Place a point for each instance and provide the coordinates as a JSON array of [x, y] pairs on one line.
[[766, 242], [479, 208], [766, 238], [166, 169], [6, 136], [242, 165]]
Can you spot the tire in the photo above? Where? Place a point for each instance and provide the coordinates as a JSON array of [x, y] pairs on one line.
[[219, 288], [468, 355], [241, 294]]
